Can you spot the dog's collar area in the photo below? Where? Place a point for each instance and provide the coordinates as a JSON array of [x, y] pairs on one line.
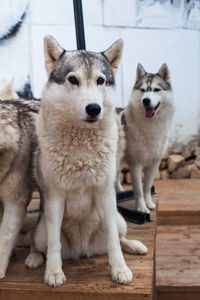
[[150, 111]]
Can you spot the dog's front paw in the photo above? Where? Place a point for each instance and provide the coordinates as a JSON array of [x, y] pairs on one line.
[[122, 275], [54, 278], [34, 260], [150, 204], [142, 207]]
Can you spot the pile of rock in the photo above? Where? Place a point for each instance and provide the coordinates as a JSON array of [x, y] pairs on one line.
[[177, 163], [181, 164]]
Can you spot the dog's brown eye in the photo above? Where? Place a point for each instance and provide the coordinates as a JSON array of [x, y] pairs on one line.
[[100, 81], [73, 80], [157, 90], [142, 90]]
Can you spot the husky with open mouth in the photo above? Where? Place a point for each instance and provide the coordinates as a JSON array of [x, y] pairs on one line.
[[148, 119]]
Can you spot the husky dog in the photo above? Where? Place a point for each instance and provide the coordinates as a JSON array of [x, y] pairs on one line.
[[148, 121], [78, 136], [17, 144]]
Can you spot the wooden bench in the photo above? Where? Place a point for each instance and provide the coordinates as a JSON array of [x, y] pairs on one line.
[[178, 243], [86, 278]]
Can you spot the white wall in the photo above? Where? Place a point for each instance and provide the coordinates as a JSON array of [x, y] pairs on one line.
[[108, 20]]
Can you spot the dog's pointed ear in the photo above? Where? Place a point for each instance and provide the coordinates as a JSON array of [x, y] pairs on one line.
[[52, 52], [164, 73], [113, 54], [140, 72]]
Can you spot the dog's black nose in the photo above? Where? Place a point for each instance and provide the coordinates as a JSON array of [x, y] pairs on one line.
[[146, 101], [93, 110]]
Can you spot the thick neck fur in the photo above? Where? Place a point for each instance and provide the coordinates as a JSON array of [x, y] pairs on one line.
[[77, 152], [54, 124]]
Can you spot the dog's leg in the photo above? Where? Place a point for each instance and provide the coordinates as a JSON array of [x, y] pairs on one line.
[[106, 203], [129, 246], [13, 217], [136, 177], [54, 210], [34, 259], [118, 185], [149, 174]]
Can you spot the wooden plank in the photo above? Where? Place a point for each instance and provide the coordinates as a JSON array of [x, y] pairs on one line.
[[177, 295], [177, 262], [178, 202], [86, 278]]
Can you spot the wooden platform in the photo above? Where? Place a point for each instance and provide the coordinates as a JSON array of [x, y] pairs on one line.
[[86, 278], [179, 202], [178, 246], [178, 262]]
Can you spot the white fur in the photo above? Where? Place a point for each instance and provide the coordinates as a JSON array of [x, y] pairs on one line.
[[147, 138], [77, 174]]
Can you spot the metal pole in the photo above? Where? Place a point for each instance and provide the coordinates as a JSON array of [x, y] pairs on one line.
[[78, 16]]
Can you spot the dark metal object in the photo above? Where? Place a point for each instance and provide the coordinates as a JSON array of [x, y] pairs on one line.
[[131, 215], [78, 16]]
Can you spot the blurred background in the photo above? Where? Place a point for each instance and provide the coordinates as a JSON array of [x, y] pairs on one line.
[[154, 32]]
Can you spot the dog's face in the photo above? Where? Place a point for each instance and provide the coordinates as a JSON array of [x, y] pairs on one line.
[[152, 92], [81, 82]]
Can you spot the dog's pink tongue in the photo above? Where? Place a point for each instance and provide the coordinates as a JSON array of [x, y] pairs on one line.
[[150, 112]]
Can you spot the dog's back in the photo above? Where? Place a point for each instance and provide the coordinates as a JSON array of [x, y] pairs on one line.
[[17, 145], [17, 136]]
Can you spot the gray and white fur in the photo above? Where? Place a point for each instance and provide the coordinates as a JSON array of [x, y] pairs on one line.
[[148, 122], [78, 135], [17, 145]]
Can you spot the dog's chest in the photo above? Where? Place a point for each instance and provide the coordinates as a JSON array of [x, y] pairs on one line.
[[80, 161], [147, 143]]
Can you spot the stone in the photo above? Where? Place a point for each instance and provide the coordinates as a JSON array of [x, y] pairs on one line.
[[128, 177], [167, 154], [197, 162], [121, 177], [164, 174], [163, 165], [197, 152], [182, 172], [174, 162], [195, 171], [187, 153], [177, 149]]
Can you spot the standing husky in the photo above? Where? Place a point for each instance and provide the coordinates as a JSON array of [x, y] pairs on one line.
[[78, 137], [17, 145], [148, 121]]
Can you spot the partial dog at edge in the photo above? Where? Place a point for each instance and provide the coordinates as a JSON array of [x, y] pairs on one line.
[[17, 145], [76, 164], [148, 120]]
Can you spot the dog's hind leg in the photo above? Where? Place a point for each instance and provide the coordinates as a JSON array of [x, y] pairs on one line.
[[149, 174], [136, 177], [39, 245], [13, 216], [34, 259], [118, 185], [129, 246]]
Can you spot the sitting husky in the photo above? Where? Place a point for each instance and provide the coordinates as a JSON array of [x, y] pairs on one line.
[[148, 119], [17, 144], [78, 135]]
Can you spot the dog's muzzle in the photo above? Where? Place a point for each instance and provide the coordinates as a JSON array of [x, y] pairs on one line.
[[149, 110], [93, 110]]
